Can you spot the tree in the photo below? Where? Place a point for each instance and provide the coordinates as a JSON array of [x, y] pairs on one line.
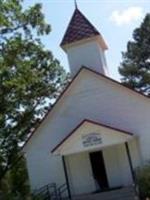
[[15, 184], [29, 76], [135, 67]]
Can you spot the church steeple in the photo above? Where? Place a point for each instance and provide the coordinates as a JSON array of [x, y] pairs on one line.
[[83, 44], [79, 28]]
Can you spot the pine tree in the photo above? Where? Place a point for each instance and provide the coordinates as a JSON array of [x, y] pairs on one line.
[[135, 67]]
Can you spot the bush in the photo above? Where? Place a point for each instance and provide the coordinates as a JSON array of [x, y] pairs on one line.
[[14, 185], [143, 180]]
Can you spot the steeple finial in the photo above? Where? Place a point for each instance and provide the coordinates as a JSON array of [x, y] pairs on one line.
[[75, 3]]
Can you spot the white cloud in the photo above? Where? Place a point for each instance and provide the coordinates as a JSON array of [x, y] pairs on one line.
[[126, 16]]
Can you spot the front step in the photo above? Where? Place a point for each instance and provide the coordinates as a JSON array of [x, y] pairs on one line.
[[119, 194]]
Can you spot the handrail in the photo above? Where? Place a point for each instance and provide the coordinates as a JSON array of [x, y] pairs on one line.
[[46, 192], [61, 190], [50, 192], [62, 186], [43, 187]]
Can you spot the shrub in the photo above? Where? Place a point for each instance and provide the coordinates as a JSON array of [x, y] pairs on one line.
[[143, 180]]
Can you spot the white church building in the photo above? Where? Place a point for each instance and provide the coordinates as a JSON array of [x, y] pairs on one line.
[[98, 130]]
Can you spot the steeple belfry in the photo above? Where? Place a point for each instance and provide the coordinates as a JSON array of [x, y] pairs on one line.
[[84, 44]]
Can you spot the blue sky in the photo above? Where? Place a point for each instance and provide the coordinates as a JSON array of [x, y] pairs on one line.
[[115, 19]]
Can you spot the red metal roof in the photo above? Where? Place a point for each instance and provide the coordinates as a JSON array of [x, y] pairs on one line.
[[79, 28]]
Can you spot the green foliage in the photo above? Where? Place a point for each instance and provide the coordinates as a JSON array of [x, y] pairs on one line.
[[143, 178], [37, 198], [135, 67], [19, 179], [15, 182], [29, 76]]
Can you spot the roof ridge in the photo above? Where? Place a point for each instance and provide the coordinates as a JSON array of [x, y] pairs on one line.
[[87, 20], [67, 87]]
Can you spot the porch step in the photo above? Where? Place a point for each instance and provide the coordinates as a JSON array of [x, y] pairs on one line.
[[119, 194]]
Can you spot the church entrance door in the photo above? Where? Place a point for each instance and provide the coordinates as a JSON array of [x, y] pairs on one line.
[[99, 171]]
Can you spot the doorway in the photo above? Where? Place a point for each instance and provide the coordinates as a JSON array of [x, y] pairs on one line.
[[99, 171]]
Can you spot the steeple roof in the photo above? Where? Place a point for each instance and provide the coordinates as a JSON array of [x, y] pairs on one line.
[[79, 28]]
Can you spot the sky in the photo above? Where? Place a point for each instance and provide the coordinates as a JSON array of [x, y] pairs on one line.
[[115, 20]]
